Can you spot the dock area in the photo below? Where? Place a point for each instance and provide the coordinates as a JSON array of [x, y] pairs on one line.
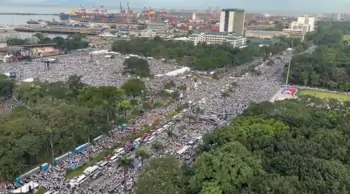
[[59, 30]]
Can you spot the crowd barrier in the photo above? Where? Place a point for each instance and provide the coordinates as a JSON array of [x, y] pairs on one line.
[[64, 156], [97, 138], [29, 173], [81, 148], [45, 167]]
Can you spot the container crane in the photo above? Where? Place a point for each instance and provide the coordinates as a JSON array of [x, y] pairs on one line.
[[128, 14], [121, 8], [163, 14], [208, 13], [150, 14]]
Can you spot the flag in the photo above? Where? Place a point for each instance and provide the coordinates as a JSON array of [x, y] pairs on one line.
[[151, 102]]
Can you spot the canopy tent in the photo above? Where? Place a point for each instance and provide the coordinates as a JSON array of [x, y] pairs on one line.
[[26, 188], [10, 74], [289, 91], [178, 71], [183, 149]]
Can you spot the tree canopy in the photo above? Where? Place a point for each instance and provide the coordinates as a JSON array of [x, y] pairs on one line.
[[202, 56], [55, 118], [328, 66], [70, 43], [281, 147], [136, 66]]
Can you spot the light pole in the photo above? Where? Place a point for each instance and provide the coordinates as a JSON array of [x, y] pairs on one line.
[[288, 70]]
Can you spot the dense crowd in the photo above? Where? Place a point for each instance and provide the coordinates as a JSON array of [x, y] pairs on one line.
[[208, 108], [96, 70]]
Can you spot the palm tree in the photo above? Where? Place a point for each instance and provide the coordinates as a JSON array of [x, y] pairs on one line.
[[142, 154], [51, 136], [126, 163]]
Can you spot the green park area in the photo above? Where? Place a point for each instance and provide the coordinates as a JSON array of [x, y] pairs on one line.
[[346, 37], [324, 95]]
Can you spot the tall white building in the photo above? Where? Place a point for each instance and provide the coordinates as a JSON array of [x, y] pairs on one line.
[[306, 24], [232, 21]]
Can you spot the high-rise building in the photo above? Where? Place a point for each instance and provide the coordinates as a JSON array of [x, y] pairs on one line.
[[232, 21], [307, 21]]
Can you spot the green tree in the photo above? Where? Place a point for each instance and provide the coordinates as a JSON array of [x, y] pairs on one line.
[[6, 86], [134, 87], [124, 106], [157, 146], [126, 163], [137, 66], [142, 154], [161, 175]]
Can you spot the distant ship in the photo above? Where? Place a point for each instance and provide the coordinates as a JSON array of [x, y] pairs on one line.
[[100, 15], [33, 22]]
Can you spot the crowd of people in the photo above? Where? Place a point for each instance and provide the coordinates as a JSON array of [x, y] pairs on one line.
[[96, 70], [211, 103]]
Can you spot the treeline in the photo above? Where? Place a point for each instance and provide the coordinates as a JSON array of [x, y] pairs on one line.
[[57, 117], [202, 56], [66, 44], [327, 67], [329, 32], [281, 147]]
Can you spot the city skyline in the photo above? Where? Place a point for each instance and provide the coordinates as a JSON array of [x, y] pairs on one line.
[[315, 6]]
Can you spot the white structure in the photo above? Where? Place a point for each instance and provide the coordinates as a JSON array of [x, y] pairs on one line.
[[26, 188], [28, 80], [178, 71], [305, 24], [232, 21], [100, 52], [218, 38], [307, 21], [194, 16], [181, 39], [298, 29]]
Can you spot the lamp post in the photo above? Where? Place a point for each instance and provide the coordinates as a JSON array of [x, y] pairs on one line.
[[288, 70]]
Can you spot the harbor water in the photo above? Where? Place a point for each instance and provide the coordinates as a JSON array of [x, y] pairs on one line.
[[21, 19]]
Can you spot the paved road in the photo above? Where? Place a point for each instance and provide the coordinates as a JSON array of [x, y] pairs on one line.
[[277, 95]]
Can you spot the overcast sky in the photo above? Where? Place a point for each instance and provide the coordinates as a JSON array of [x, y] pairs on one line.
[[265, 5]]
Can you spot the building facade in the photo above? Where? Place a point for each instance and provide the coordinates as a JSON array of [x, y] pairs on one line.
[[218, 38], [232, 21], [307, 21], [298, 29]]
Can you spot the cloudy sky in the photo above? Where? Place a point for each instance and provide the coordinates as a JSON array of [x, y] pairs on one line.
[[265, 5]]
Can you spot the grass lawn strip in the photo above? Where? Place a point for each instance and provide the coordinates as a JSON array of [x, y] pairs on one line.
[[324, 95]]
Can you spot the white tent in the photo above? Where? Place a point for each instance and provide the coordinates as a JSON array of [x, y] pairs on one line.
[[100, 52], [25, 188], [7, 58], [28, 80], [183, 149], [178, 71]]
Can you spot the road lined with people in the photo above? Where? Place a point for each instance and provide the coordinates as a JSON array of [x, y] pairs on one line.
[[211, 102]]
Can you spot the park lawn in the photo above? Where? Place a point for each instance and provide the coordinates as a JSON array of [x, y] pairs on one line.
[[324, 95], [346, 37]]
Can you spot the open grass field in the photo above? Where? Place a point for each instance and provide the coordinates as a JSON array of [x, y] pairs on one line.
[[346, 37], [323, 95]]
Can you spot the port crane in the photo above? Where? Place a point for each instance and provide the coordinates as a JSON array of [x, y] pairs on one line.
[[163, 14], [128, 14]]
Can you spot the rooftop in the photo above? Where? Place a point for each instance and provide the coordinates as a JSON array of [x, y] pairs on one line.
[[225, 34], [234, 10]]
